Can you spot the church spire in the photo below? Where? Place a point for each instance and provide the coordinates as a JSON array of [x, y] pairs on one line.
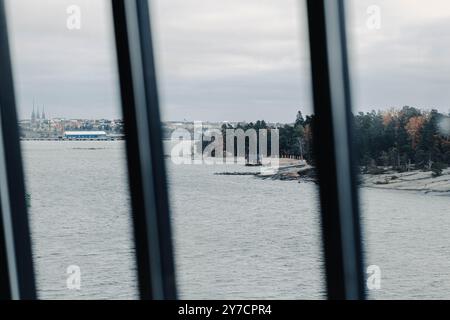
[[33, 115], [43, 113], [38, 116]]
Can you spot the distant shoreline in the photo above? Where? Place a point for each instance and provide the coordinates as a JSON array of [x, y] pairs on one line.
[[415, 180]]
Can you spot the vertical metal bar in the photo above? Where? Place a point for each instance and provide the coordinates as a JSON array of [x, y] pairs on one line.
[[334, 153], [16, 263], [144, 149]]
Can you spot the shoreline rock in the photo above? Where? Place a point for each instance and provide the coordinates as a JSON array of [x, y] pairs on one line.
[[415, 180]]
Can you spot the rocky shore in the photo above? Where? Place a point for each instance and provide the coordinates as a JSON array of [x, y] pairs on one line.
[[289, 170], [415, 180]]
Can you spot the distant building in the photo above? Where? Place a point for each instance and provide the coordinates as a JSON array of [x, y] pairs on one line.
[[84, 135], [33, 116]]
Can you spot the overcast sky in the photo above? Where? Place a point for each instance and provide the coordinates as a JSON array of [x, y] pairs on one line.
[[228, 60]]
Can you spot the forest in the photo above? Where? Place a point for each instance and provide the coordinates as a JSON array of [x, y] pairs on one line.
[[399, 139]]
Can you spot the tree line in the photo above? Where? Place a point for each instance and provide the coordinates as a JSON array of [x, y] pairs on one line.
[[401, 139]]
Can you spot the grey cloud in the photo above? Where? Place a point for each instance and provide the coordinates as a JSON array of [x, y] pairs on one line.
[[406, 61], [233, 60], [228, 60], [72, 73]]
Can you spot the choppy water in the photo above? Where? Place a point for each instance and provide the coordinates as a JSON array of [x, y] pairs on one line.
[[235, 236], [80, 216]]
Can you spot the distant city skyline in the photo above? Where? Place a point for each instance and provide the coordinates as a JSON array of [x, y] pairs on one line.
[[44, 114]]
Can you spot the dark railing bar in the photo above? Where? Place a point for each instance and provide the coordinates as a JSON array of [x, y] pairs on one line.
[[152, 230], [334, 151], [16, 261]]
